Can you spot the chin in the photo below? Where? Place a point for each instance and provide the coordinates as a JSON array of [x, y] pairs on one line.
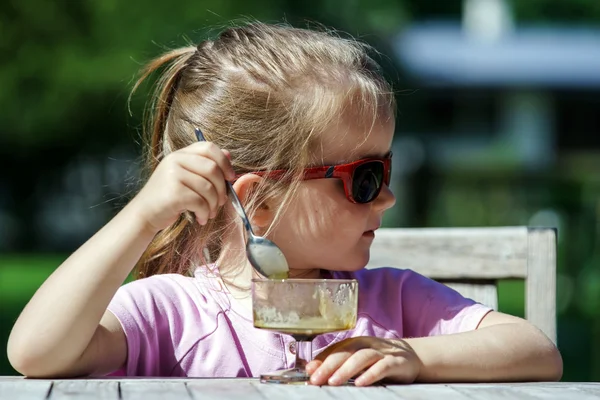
[[356, 264]]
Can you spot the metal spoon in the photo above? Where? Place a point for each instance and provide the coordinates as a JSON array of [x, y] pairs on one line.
[[264, 255]]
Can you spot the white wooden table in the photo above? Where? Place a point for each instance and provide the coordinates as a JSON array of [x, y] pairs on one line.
[[14, 388]]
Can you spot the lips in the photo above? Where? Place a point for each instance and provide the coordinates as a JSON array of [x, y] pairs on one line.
[[373, 228], [370, 232]]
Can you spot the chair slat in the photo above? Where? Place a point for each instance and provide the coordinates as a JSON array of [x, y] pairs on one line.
[[453, 253], [485, 293], [540, 287]]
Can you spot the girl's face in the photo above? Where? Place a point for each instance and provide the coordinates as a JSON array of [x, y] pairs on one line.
[[321, 228]]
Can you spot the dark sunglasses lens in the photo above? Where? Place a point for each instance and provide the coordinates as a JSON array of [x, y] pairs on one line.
[[367, 181]]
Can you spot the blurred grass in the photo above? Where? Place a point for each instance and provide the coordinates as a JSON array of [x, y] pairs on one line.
[[511, 297], [21, 275]]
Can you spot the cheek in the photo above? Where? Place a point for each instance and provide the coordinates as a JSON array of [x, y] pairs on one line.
[[313, 212], [319, 211]]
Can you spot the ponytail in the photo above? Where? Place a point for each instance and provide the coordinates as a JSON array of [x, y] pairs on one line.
[[170, 246], [162, 98]]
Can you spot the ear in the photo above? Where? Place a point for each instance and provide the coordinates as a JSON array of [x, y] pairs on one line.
[[244, 187]]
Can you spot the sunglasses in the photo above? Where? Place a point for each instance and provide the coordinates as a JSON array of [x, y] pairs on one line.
[[362, 179]]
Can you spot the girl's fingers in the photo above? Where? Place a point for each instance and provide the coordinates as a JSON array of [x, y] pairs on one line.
[[191, 201], [328, 367], [212, 151], [312, 366], [378, 358], [378, 371], [206, 169], [204, 189], [354, 365]]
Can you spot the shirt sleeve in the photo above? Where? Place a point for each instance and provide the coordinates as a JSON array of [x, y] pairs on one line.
[[431, 308], [145, 308]]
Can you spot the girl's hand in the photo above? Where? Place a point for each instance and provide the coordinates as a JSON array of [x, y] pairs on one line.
[[373, 358], [192, 179]]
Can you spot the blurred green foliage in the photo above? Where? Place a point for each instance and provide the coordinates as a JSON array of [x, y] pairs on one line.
[[60, 55]]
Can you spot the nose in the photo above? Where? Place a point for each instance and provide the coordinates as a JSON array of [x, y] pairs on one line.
[[385, 200]]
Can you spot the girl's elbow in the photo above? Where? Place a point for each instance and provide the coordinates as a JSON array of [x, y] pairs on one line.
[[29, 361], [555, 364], [20, 359], [548, 355], [22, 353], [16, 353], [544, 355], [32, 367]]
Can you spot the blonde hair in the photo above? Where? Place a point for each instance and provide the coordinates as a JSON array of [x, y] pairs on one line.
[[263, 92]]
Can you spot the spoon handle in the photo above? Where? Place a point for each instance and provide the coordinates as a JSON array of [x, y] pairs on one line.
[[237, 205]]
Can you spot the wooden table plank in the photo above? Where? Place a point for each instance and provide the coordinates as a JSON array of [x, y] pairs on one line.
[[291, 392], [426, 392], [360, 393], [16, 388], [21, 389], [222, 389], [593, 388], [491, 392], [84, 389], [551, 393], [531, 391], [154, 390]]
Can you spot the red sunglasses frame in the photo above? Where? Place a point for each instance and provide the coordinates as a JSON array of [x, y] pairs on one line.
[[344, 172]]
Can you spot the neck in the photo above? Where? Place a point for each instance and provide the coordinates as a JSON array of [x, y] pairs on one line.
[[305, 273]]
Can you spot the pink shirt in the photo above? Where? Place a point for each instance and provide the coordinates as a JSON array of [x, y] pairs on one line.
[[188, 326]]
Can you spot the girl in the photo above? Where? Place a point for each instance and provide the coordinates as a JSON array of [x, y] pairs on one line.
[[267, 98]]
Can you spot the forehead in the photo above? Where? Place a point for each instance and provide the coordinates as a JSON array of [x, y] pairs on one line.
[[349, 139]]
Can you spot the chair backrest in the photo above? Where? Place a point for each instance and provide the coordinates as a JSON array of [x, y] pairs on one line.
[[472, 260]]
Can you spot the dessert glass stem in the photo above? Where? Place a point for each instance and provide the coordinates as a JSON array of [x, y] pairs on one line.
[[303, 353]]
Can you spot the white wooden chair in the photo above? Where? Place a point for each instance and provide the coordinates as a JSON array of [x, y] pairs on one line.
[[472, 260]]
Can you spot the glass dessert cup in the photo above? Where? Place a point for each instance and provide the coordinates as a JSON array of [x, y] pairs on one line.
[[304, 309]]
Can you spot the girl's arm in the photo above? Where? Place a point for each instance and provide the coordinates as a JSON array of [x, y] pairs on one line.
[[58, 333], [65, 329], [503, 348]]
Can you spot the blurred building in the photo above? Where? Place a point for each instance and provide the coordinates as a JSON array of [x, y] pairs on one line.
[[500, 95]]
